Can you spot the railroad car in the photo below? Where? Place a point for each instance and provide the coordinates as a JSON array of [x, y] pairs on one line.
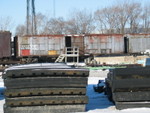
[[54, 45], [5, 44], [138, 43], [49, 47], [99, 44]]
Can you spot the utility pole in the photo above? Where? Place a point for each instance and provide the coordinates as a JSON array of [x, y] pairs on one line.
[[34, 29], [33, 15], [28, 17]]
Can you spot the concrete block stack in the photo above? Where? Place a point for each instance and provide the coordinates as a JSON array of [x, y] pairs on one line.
[[45, 88], [129, 87]]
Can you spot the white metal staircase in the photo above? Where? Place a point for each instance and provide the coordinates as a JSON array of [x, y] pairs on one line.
[[69, 52], [60, 58]]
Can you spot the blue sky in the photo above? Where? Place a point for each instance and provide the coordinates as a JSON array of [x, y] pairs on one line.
[[16, 9]]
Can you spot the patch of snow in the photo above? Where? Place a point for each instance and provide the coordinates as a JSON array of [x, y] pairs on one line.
[[98, 102]]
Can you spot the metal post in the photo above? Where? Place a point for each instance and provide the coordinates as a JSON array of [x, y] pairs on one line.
[[65, 55], [34, 30], [77, 55], [27, 21]]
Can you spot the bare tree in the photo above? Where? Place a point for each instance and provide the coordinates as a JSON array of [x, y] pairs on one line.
[[119, 17], [123, 16], [129, 11], [80, 22], [41, 21], [71, 27], [107, 19], [6, 23], [21, 30], [126, 16], [55, 26], [146, 19], [135, 11]]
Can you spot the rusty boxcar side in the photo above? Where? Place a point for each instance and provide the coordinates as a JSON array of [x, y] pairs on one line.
[[104, 44], [5, 44], [40, 45], [48, 45], [96, 44], [78, 41]]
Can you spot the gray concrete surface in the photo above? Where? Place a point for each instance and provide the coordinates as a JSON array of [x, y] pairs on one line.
[[98, 73]]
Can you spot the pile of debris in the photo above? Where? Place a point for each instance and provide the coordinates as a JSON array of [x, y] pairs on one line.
[[45, 88], [129, 87]]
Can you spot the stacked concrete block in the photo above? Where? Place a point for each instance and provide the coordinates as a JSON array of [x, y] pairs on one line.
[[129, 87], [45, 88]]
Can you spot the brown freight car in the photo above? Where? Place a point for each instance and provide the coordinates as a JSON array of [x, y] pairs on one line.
[[5, 44]]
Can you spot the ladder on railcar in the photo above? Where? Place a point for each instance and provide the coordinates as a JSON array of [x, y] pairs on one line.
[[60, 58]]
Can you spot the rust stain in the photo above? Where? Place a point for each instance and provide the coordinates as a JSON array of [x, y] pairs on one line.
[[139, 34], [103, 35]]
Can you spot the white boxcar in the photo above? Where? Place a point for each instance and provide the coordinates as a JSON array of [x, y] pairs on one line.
[[48, 45], [138, 43], [40, 45]]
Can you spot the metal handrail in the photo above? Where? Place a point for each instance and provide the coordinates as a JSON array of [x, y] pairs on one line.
[[72, 50]]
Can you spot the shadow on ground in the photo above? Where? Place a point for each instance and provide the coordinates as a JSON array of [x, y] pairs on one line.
[[97, 100], [2, 93]]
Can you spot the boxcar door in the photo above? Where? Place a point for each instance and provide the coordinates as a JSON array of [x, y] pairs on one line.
[[68, 41]]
